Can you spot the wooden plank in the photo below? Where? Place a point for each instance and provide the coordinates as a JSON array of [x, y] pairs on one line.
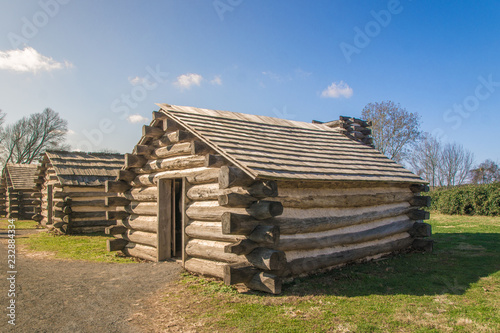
[[185, 222], [172, 237], [50, 207], [164, 206]]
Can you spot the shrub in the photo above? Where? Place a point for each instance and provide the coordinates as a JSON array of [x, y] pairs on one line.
[[467, 200]]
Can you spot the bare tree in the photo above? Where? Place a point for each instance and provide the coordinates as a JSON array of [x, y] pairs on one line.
[[456, 162], [24, 140], [394, 129], [485, 173], [425, 159]]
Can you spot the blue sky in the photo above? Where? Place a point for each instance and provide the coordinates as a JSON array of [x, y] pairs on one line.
[[104, 64]]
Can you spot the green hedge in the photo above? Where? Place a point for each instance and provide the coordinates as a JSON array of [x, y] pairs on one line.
[[467, 200]]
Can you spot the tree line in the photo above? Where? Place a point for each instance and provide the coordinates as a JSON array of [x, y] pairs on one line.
[[396, 133], [23, 141]]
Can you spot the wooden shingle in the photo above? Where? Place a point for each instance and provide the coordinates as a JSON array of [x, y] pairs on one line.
[[272, 148]]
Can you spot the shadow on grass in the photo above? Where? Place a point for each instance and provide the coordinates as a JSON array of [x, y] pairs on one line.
[[458, 260]]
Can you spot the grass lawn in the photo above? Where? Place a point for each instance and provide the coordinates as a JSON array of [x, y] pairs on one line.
[[454, 289], [90, 247], [20, 225]]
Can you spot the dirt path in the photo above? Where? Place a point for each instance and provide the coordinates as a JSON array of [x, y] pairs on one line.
[[76, 296]]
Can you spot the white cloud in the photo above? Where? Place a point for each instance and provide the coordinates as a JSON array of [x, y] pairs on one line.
[[216, 80], [29, 60], [137, 118], [137, 80], [70, 132], [337, 90], [273, 76], [188, 80]]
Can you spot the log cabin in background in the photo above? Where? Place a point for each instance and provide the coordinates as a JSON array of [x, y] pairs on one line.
[[252, 199], [16, 186], [71, 190]]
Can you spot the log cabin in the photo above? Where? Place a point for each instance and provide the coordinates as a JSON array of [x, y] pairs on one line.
[[256, 200], [16, 186], [71, 190]]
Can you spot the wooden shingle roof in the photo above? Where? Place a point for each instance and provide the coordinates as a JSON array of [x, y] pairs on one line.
[[20, 176], [82, 169], [272, 148]]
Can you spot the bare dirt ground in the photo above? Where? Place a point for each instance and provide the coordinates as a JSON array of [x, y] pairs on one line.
[[77, 296]]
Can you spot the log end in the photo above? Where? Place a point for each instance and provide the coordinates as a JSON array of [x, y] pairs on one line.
[[244, 246], [265, 282], [420, 229], [423, 245], [416, 188], [238, 273], [116, 244]]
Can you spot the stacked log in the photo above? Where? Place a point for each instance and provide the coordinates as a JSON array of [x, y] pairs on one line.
[[420, 231], [165, 151], [258, 262], [323, 227], [80, 209], [354, 128], [18, 204], [3, 200]]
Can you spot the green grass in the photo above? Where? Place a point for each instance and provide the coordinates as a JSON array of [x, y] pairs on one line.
[[89, 247], [20, 225], [454, 289]]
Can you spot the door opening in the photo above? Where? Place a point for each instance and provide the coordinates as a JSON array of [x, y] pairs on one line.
[[169, 236]]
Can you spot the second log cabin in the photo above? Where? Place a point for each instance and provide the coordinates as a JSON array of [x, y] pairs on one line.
[[255, 200], [71, 190], [16, 186]]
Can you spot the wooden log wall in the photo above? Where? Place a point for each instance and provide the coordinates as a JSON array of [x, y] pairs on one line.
[[325, 226], [339, 226], [3, 198], [165, 151], [75, 209], [19, 204]]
